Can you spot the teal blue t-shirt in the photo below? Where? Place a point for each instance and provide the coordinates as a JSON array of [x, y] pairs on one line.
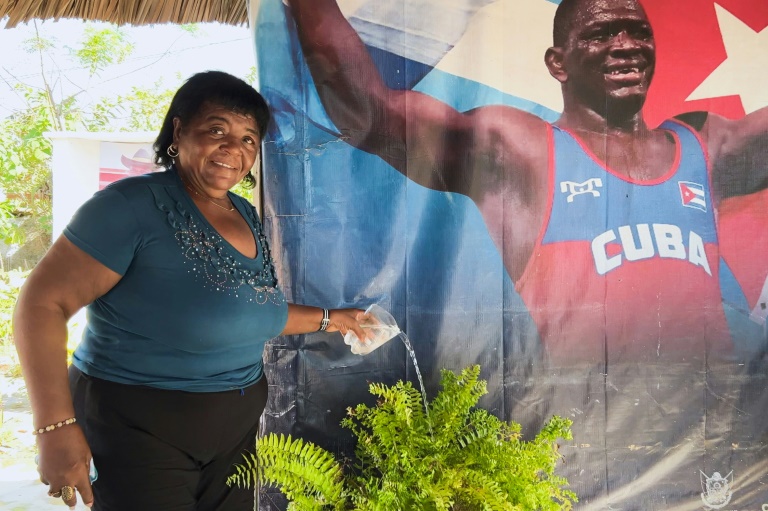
[[190, 312]]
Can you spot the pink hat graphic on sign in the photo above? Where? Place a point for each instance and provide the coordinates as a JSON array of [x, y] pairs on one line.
[[140, 163], [121, 160]]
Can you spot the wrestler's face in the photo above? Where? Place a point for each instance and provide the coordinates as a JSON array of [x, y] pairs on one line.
[[610, 54], [217, 148]]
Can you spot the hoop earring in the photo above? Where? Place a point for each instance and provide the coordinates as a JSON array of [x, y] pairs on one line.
[[172, 151]]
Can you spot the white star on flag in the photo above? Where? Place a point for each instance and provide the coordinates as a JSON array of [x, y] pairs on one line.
[[738, 74]]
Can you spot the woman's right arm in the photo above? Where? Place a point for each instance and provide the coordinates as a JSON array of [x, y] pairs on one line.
[[63, 282]]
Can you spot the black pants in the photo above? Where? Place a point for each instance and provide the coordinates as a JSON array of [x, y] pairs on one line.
[[166, 450]]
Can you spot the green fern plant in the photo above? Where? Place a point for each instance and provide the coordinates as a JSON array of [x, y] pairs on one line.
[[449, 456]]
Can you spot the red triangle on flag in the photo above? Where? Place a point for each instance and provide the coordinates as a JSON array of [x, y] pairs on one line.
[[686, 193]]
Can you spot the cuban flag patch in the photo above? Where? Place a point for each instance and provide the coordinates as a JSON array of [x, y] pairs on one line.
[[692, 195]]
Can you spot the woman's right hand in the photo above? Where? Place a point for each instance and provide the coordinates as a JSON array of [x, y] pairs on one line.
[[65, 460]]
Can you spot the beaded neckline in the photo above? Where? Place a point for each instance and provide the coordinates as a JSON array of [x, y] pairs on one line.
[[217, 263], [194, 210]]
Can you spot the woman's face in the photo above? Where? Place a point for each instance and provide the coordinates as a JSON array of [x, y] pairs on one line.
[[217, 148]]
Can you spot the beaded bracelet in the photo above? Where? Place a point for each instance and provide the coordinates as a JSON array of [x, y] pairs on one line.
[[51, 427]]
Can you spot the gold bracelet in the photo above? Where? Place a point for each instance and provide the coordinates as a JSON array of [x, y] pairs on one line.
[[51, 427]]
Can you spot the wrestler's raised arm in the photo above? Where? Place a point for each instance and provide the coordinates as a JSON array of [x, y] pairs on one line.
[[738, 151], [423, 138]]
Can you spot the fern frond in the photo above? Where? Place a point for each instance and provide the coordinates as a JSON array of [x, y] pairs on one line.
[[450, 408], [466, 458], [245, 475], [304, 472], [481, 491]]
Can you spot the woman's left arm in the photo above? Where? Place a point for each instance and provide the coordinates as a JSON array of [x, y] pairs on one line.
[[303, 319]]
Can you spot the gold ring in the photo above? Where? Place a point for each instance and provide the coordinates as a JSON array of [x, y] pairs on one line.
[[67, 493], [54, 494]]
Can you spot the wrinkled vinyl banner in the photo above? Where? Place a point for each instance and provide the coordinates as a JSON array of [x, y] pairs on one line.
[[431, 172]]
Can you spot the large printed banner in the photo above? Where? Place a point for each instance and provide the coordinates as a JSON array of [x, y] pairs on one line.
[[571, 196]]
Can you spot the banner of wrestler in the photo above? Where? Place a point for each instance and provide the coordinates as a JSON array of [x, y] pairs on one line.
[[569, 194]]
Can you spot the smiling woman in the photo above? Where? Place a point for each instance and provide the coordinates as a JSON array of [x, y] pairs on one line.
[[212, 134], [167, 386], [216, 151]]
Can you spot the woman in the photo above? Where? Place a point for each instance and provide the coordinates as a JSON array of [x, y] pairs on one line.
[[166, 388]]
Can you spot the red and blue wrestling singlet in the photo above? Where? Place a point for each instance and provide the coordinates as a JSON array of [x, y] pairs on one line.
[[627, 270]]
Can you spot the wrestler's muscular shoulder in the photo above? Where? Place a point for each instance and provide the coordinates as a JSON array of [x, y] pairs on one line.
[[511, 189]]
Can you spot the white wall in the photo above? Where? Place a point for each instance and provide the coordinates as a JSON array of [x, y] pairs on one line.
[[75, 166]]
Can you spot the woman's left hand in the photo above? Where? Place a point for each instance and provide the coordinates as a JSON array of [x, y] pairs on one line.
[[305, 319], [344, 320]]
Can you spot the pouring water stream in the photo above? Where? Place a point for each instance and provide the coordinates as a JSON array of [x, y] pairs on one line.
[[384, 328], [412, 354]]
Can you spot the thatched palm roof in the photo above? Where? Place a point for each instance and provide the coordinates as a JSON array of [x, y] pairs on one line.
[[121, 12]]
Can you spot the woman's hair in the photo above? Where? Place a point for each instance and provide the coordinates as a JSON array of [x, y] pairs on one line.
[[215, 88]]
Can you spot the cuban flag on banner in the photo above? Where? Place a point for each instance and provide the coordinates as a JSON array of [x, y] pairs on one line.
[[692, 195]]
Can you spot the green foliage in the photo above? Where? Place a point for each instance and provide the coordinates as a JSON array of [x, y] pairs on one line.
[[10, 283], [450, 456], [252, 76], [142, 109], [102, 47], [24, 164], [307, 473], [37, 44], [191, 28], [7, 435], [25, 152]]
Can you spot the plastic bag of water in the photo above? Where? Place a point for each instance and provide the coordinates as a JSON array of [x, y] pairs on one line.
[[382, 326]]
